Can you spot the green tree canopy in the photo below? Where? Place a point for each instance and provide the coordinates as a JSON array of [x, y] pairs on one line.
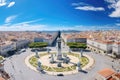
[[38, 44], [76, 45]]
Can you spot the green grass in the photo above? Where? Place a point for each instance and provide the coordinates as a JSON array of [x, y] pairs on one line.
[[33, 61], [57, 69], [84, 61]]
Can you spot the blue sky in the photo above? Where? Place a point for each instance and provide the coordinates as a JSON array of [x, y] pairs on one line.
[[22, 15]]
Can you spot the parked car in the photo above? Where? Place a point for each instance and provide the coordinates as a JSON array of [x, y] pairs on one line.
[[23, 50], [20, 51]]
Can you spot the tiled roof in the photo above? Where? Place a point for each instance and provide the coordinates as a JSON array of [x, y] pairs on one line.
[[118, 42], [2, 78], [117, 75], [106, 72]]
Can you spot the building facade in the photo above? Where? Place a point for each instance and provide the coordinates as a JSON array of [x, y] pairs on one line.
[[73, 38], [104, 47], [21, 44], [116, 49], [6, 48]]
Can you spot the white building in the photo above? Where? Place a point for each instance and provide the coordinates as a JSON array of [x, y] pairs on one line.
[[6, 48], [21, 44], [99, 46], [107, 47], [12, 46], [116, 49], [41, 39]]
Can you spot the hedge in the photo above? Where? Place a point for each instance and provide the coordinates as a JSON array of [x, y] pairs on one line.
[[76, 45], [38, 44]]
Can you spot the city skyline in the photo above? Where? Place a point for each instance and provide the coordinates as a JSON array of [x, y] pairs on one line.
[[59, 15]]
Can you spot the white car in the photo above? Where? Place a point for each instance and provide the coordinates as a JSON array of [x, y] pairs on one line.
[[22, 50]]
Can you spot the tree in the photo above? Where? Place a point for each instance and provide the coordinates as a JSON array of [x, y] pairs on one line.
[[38, 44], [76, 45]]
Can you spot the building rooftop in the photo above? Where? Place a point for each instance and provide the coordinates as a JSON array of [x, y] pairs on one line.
[[2, 78], [106, 73]]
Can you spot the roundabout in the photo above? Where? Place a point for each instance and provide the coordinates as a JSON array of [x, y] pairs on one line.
[[52, 68]]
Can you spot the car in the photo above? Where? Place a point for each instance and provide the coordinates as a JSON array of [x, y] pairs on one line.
[[20, 51], [60, 75], [23, 50]]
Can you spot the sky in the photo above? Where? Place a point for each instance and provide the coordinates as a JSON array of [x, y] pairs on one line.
[[39, 15]]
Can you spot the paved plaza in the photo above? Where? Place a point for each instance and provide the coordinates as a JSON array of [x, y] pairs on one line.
[[16, 67]]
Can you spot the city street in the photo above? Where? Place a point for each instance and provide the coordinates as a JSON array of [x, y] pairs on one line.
[[18, 70]]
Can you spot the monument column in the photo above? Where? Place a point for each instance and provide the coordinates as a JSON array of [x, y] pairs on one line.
[[59, 54]]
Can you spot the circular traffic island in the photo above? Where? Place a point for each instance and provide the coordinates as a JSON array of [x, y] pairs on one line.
[[48, 63]]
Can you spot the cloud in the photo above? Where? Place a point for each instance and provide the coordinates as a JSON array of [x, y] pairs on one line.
[[6, 2], [80, 3], [27, 22], [24, 27], [42, 27], [87, 7], [2, 3], [10, 18], [11, 4], [36, 27], [114, 4], [90, 8]]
